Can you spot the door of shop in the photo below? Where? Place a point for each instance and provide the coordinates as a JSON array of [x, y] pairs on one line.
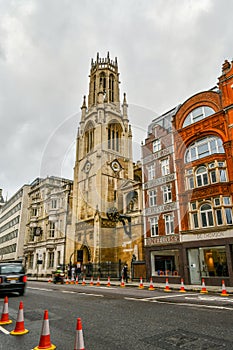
[[194, 266]]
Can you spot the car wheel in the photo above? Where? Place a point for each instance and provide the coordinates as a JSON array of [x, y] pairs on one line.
[[21, 292]]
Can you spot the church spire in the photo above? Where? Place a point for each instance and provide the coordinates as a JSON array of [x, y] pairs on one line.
[[104, 82], [125, 108]]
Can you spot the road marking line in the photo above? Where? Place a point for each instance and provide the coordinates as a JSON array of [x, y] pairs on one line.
[[3, 330], [68, 291], [47, 290], [170, 296]]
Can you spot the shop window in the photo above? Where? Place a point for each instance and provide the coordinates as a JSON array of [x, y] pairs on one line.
[[165, 263], [213, 261]]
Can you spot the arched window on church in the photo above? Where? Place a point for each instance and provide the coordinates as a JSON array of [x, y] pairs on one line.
[[103, 80], [132, 201], [114, 136], [111, 88], [89, 138], [94, 89]]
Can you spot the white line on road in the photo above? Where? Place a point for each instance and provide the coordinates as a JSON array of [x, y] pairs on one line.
[[183, 304], [3, 330], [47, 290]]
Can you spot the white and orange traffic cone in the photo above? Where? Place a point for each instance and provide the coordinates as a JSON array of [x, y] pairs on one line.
[[91, 281], [167, 288], [203, 287], [224, 292], [76, 281], [98, 282], [67, 280], [109, 283], [45, 342], [122, 285], [50, 279], [141, 286], [72, 280], [84, 281], [151, 287], [19, 327], [182, 289], [79, 341], [5, 315]]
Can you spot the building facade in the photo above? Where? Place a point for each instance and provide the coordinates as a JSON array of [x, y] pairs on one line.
[[46, 243], [204, 162], [163, 248], [105, 177], [13, 220], [202, 130]]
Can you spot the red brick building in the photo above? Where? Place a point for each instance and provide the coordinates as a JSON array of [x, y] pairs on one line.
[[203, 186]]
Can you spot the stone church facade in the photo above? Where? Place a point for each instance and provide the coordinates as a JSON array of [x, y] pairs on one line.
[[107, 199]]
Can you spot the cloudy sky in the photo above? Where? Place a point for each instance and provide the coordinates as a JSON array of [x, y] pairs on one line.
[[167, 50]]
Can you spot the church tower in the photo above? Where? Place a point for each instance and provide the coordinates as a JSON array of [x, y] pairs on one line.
[[103, 165]]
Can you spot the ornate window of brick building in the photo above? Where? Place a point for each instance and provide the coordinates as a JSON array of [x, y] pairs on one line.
[[156, 145], [216, 212], [165, 170], [197, 114], [206, 174], [167, 194], [204, 147], [169, 224], [154, 227], [152, 198], [151, 172]]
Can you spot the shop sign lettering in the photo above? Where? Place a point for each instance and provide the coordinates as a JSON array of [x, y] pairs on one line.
[[210, 235], [162, 239]]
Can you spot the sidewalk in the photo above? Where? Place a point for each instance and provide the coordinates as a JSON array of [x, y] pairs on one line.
[[135, 284]]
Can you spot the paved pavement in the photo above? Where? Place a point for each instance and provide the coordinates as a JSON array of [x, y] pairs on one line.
[[196, 288]]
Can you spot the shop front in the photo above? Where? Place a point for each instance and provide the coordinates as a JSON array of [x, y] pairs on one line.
[[208, 256], [164, 259]]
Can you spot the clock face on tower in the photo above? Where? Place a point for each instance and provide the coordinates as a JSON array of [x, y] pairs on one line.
[[87, 167], [115, 166]]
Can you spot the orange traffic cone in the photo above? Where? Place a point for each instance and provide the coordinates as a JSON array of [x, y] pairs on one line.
[[109, 283], [224, 292], [5, 315], [50, 279], [167, 288], [182, 289], [67, 280], [98, 282], [76, 281], [203, 287], [122, 282], [45, 342], [91, 282], [84, 281], [19, 327], [72, 280], [141, 286], [79, 341], [151, 287]]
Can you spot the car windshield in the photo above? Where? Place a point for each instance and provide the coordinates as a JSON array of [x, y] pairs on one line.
[[11, 268]]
